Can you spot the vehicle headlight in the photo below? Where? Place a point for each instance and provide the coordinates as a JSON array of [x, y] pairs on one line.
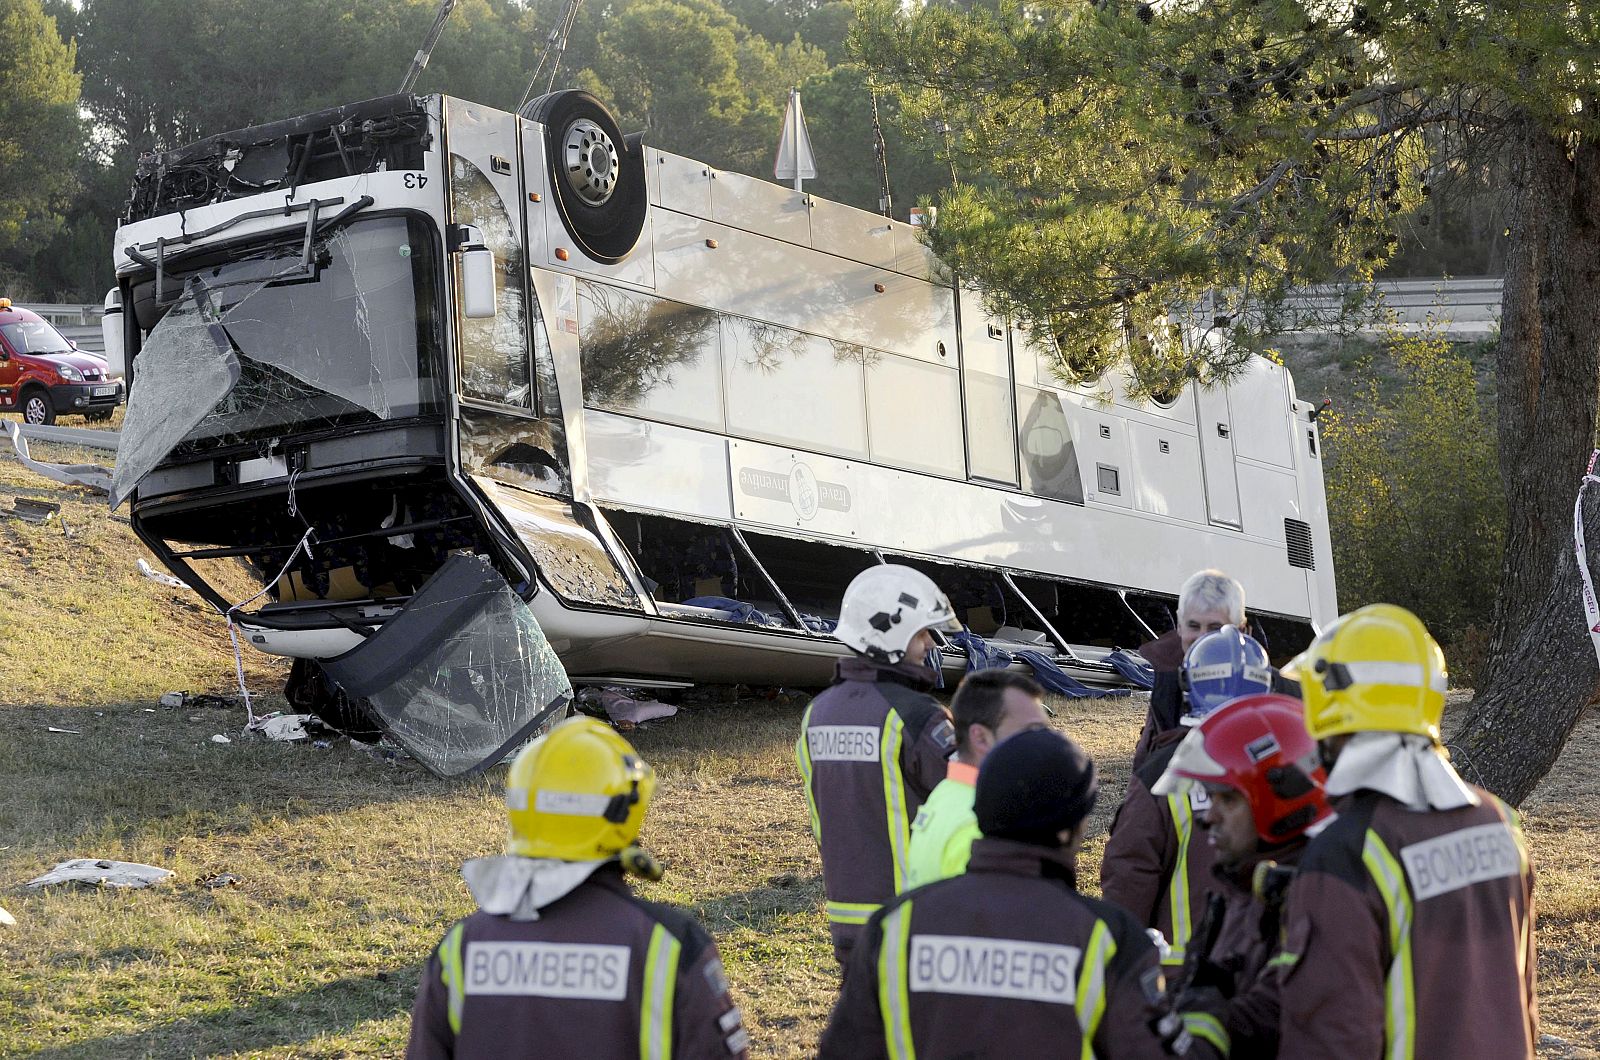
[[69, 373]]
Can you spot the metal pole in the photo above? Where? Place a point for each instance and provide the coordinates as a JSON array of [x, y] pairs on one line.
[[794, 109]]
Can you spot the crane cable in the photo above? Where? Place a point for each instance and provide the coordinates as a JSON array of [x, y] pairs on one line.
[[419, 62], [880, 150], [555, 44]]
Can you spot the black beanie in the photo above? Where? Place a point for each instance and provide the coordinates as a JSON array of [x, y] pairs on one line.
[[1034, 786]]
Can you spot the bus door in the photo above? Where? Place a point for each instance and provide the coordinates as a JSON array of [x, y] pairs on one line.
[[1217, 457], [988, 402]]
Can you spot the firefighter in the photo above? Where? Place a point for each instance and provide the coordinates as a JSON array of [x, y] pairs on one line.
[[989, 706], [1007, 959], [1408, 931], [1260, 769], [561, 960], [875, 744], [1156, 865], [1208, 600]]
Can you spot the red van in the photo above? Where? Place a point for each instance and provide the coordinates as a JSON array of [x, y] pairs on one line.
[[43, 375]]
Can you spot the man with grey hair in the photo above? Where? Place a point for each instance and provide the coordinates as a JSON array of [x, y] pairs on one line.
[[1208, 601]]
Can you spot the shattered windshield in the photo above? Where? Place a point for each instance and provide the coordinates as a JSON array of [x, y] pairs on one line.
[[34, 336], [462, 675], [352, 339]]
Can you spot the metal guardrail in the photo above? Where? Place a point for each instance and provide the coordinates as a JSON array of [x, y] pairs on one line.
[[90, 339], [67, 313], [80, 436]]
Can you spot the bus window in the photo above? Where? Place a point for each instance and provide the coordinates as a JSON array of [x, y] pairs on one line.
[[649, 357], [915, 413], [493, 350], [1049, 459], [794, 389]]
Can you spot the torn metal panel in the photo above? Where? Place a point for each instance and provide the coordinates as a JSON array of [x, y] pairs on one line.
[[462, 675], [94, 476], [571, 559], [514, 449]]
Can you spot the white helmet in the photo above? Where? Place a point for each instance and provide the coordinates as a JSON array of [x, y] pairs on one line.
[[886, 606]]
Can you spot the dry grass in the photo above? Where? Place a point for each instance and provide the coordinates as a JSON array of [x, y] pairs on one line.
[[348, 864]]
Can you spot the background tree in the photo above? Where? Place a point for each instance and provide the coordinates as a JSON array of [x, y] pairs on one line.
[[40, 135], [1414, 497], [1124, 158]]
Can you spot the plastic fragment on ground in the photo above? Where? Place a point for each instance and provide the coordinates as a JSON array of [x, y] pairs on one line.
[[158, 576], [219, 738], [94, 872], [6, 919], [619, 706]]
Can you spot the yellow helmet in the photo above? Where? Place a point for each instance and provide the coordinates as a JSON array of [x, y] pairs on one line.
[[1377, 669], [577, 794]]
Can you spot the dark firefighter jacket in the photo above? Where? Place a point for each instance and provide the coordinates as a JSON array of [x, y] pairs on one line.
[[1165, 656], [601, 973], [1005, 961], [1240, 963], [1157, 862], [871, 748], [1410, 935]]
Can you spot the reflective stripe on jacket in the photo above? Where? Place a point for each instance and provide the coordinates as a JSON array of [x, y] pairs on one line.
[[871, 749], [996, 962], [600, 973], [1410, 935], [1157, 862]]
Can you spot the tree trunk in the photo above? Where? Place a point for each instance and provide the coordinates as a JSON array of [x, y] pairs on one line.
[[1540, 671]]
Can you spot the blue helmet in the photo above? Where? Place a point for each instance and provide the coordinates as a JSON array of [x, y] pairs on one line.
[[1222, 666]]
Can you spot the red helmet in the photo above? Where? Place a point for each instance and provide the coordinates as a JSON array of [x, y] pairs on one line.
[[1258, 745]]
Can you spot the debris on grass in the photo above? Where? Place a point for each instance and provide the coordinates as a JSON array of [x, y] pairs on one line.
[[203, 699], [620, 706], [31, 511], [219, 738], [220, 879], [68, 732], [93, 872], [6, 919], [159, 576], [289, 728]]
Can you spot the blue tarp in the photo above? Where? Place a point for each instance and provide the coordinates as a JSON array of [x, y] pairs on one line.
[[981, 655], [1138, 671]]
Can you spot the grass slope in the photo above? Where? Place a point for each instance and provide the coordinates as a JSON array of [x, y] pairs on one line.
[[348, 863]]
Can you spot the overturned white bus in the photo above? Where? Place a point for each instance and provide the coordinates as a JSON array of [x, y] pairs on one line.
[[674, 409]]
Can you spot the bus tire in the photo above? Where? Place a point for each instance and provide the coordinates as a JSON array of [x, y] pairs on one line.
[[596, 175]]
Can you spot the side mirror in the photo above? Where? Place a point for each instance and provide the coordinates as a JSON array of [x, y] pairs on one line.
[[477, 282], [111, 334], [477, 271], [72, 344]]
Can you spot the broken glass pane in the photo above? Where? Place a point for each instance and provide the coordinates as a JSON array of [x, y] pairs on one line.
[[462, 675], [185, 369], [351, 340]]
